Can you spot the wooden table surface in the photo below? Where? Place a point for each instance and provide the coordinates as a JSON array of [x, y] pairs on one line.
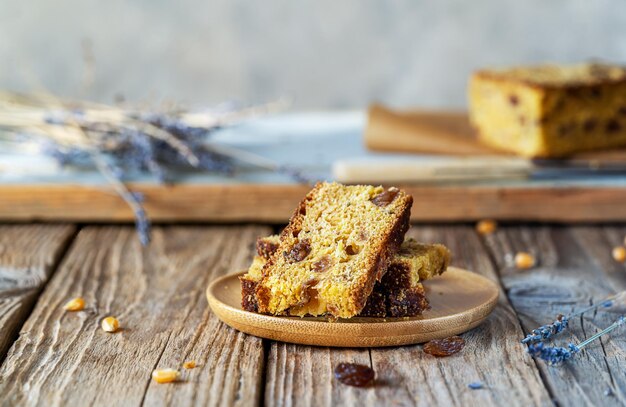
[[51, 357]]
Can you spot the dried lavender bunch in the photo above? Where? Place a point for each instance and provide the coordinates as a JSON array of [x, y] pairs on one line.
[[121, 141]]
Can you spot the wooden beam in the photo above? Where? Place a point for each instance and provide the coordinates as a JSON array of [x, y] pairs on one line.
[[275, 203]]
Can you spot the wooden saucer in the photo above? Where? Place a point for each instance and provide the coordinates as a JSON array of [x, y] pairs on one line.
[[460, 301]]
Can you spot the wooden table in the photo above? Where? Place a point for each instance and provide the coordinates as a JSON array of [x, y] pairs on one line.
[[50, 357]]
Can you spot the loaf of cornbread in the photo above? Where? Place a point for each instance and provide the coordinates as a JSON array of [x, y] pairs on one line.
[[549, 110], [337, 244], [398, 294]]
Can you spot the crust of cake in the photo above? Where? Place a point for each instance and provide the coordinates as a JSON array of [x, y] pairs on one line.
[[548, 77], [376, 306], [407, 303], [377, 262], [248, 294]]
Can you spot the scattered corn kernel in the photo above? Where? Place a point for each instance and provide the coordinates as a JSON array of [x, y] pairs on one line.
[[486, 227], [524, 260], [190, 364], [75, 304], [619, 254], [110, 324], [165, 375]]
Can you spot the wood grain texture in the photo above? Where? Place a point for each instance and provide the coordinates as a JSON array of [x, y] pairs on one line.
[[442, 132], [298, 375], [157, 293], [28, 255], [575, 269], [275, 203], [438, 132]]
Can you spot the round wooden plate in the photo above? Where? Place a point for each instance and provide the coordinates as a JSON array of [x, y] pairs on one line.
[[460, 301]]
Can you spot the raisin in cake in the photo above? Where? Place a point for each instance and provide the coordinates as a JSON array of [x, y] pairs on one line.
[[337, 244], [550, 111]]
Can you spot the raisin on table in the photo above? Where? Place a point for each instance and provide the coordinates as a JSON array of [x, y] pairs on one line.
[[444, 347], [354, 374]]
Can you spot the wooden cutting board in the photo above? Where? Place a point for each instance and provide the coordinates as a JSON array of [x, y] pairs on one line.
[[441, 132]]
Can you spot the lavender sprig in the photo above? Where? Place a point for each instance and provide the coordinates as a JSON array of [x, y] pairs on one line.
[[556, 355], [561, 323], [545, 332]]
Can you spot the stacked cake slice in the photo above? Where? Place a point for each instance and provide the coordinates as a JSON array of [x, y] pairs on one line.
[[343, 255]]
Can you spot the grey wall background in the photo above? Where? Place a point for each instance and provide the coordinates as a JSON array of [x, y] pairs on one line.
[[325, 53]]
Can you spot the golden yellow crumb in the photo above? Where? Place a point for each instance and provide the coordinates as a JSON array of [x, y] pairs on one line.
[[110, 324], [486, 227], [619, 254], [190, 364], [75, 304], [524, 260], [165, 375]]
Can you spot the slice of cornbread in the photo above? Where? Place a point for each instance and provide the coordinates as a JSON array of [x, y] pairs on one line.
[[549, 110], [416, 261], [401, 286], [398, 294], [336, 245]]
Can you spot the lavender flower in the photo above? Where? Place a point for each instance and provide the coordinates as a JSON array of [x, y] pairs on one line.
[[547, 331], [554, 355]]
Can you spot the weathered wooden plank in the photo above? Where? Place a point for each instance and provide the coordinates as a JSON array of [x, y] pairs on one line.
[[299, 375], [157, 293], [28, 255], [575, 269], [492, 354], [274, 202]]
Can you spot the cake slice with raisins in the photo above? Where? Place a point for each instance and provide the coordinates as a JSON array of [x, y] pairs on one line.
[[399, 293], [337, 244], [550, 110]]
